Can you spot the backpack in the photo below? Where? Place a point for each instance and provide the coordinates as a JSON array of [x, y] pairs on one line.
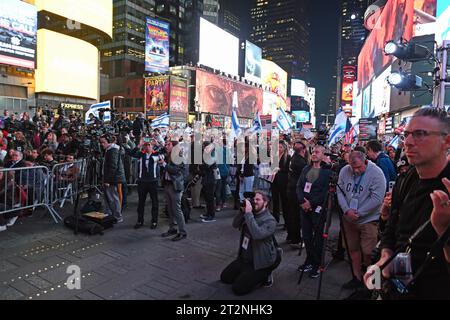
[[91, 206], [84, 225]]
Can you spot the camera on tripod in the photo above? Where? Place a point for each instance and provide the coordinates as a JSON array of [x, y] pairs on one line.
[[250, 197]]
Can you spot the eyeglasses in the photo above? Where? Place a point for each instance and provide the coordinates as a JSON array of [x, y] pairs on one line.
[[421, 134]]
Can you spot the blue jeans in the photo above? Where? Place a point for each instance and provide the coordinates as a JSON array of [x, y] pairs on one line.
[[221, 196]]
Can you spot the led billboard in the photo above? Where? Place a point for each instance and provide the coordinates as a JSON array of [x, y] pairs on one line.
[[97, 14], [275, 78], [381, 93], [215, 95], [178, 96], [301, 116], [157, 46], [218, 48], [348, 78], [424, 17], [443, 21], [299, 88], [66, 65], [157, 91], [253, 61], [270, 104], [366, 107], [18, 26], [395, 22]]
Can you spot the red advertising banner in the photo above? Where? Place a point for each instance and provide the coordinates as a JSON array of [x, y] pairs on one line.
[[215, 95], [178, 96], [348, 78], [396, 22], [156, 95]]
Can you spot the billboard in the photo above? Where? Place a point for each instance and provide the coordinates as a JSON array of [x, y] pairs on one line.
[[270, 104], [275, 78], [368, 129], [156, 46], [97, 14], [218, 48], [299, 88], [178, 96], [301, 116], [424, 17], [443, 21], [348, 78], [253, 61], [381, 93], [18, 27], [156, 95], [215, 95], [66, 65], [394, 23], [366, 106]]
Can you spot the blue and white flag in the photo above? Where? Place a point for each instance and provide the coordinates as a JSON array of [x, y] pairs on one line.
[[235, 127], [284, 122], [94, 109], [339, 127], [394, 142], [161, 121], [257, 125]]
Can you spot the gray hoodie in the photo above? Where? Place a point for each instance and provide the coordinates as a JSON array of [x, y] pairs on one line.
[[370, 193]]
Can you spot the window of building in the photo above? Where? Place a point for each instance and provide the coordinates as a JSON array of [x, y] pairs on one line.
[[128, 103]]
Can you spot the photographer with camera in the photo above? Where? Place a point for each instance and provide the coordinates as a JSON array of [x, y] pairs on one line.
[[312, 189], [419, 198], [258, 253], [147, 182]]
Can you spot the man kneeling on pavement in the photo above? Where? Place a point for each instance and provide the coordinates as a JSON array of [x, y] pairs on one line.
[[258, 254]]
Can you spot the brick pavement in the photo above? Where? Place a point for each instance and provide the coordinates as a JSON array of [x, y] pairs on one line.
[[139, 264]]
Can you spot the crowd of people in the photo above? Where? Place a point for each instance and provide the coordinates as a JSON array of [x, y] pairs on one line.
[[382, 192]]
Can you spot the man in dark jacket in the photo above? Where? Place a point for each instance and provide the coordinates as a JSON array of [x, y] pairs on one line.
[[376, 154], [258, 255], [139, 127], [113, 177], [147, 182], [312, 190], [173, 182], [292, 217]]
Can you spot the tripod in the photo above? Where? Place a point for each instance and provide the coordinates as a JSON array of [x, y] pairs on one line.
[[323, 226]]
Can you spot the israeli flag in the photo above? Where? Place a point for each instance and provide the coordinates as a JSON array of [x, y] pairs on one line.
[[339, 127], [235, 127], [94, 110], [161, 121], [284, 122], [257, 126], [394, 142]]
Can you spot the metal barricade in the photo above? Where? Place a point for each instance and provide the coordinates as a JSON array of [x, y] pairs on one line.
[[65, 181], [23, 189]]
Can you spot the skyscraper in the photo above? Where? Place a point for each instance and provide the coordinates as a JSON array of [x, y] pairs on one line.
[[282, 29]]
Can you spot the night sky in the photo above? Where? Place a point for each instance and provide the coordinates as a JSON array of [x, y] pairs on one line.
[[324, 34]]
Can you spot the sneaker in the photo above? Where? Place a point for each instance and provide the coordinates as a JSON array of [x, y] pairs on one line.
[[269, 281], [169, 233], [153, 225], [305, 267], [2, 228], [11, 222], [218, 209], [204, 216], [296, 245], [138, 225], [314, 273], [120, 220], [179, 237], [353, 284], [208, 219]]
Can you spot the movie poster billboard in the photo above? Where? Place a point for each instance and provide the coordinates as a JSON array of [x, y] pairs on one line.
[[253, 61], [395, 23], [178, 96], [18, 29], [381, 93], [157, 46], [348, 78], [157, 91], [215, 95]]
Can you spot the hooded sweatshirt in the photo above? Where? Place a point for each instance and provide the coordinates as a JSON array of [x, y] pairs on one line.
[[368, 188]]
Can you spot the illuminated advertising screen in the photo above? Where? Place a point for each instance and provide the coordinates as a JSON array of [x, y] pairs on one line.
[[215, 95], [178, 96], [394, 23], [157, 46], [368, 129], [253, 60], [381, 93], [366, 107], [275, 78], [157, 91], [270, 104], [66, 65], [298, 88], [348, 78], [443, 21], [18, 27], [301, 116], [97, 14], [424, 17], [218, 48]]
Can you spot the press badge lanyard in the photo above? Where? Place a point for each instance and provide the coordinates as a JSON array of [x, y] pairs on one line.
[[356, 185]]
